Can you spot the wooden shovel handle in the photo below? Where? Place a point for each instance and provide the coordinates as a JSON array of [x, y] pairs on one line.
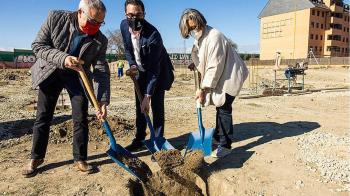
[[89, 89]]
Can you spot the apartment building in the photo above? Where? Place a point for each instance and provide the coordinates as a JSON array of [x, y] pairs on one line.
[[295, 27]]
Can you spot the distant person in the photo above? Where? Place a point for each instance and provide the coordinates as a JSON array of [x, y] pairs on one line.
[[64, 39], [145, 52], [222, 73], [120, 69]]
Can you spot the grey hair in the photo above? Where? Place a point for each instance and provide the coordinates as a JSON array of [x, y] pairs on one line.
[[89, 4], [196, 17]]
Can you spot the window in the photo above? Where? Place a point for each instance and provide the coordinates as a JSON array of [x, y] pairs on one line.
[[321, 26], [322, 14], [321, 37], [312, 36], [318, 13], [315, 48], [337, 37], [347, 39], [343, 39], [320, 48], [317, 25], [344, 29], [336, 26], [312, 24], [334, 37], [337, 15], [316, 37], [313, 12], [333, 48], [347, 30]]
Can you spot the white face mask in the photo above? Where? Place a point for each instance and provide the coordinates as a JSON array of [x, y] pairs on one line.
[[196, 34]]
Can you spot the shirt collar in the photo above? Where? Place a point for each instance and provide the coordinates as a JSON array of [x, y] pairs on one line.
[[135, 34]]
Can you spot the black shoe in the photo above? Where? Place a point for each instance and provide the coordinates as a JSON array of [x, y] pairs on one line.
[[136, 145]]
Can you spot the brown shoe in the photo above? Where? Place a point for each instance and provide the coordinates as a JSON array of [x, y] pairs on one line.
[[31, 169], [83, 166]]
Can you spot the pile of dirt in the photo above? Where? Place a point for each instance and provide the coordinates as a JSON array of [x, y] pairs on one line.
[[121, 129], [273, 92], [177, 175], [7, 75], [139, 167]]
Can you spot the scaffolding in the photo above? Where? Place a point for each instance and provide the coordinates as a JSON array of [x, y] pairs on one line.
[[253, 74]]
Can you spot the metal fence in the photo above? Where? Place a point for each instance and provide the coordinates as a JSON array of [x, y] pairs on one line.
[[312, 61]]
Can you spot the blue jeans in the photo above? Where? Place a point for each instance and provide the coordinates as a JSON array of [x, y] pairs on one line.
[[120, 72], [224, 127]]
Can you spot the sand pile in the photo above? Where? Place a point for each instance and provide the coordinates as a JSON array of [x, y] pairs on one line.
[[177, 176], [121, 128]]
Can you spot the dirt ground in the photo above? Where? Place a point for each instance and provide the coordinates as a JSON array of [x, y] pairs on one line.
[[294, 144]]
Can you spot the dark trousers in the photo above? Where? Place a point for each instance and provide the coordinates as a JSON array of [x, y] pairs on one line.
[[157, 105], [224, 127], [48, 95]]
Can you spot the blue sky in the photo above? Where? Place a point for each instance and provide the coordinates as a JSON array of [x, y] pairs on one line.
[[21, 19]]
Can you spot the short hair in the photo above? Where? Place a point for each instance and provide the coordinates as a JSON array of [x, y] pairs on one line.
[[196, 17], [96, 4], [135, 2]]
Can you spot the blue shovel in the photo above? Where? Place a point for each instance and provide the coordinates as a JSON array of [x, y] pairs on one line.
[[202, 139], [115, 149], [154, 144]]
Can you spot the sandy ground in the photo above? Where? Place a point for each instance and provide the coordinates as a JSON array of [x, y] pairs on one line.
[[285, 145]]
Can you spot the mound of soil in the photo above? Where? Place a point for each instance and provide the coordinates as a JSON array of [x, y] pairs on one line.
[[7, 75], [176, 177], [121, 129], [272, 92]]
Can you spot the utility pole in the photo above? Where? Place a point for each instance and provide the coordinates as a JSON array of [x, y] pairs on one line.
[[295, 26]]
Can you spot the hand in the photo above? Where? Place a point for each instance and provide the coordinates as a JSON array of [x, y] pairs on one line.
[[145, 104], [191, 66], [72, 62], [200, 95], [102, 113], [132, 71]]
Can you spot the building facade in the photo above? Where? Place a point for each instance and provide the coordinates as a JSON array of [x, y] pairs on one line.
[[295, 27]]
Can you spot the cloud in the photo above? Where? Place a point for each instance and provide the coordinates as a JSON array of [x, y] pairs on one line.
[[6, 49]]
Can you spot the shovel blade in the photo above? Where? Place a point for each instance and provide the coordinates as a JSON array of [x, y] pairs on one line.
[[114, 156], [160, 143], [195, 141]]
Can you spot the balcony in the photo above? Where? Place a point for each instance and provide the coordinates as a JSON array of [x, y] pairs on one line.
[[346, 8]]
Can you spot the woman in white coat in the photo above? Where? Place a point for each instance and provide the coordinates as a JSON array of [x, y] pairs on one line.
[[222, 72]]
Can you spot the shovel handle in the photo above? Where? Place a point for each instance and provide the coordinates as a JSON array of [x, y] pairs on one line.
[[140, 97], [89, 89]]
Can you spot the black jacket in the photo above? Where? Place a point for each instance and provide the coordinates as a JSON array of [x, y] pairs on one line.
[[154, 57]]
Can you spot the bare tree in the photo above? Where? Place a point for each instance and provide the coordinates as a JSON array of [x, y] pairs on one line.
[[115, 42], [233, 44]]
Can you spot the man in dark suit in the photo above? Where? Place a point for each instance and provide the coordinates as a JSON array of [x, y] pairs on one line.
[[146, 53]]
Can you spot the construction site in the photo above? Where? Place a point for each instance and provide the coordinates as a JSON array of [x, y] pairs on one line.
[[291, 119], [288, 139]]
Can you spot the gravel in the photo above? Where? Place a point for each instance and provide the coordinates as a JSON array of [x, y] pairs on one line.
[[322, 150]]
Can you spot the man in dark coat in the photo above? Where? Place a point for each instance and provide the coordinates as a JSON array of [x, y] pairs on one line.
[[65, 40], [146, 53]]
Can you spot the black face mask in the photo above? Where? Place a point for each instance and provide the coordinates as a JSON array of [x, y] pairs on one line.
[[135, 23]]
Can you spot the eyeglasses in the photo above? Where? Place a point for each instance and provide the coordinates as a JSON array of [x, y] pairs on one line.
[[137, 15], [93, 21]]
